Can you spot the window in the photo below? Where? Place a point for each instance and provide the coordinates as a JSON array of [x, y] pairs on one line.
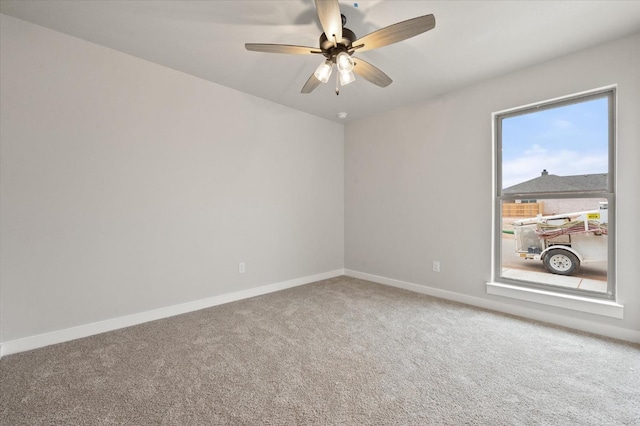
[[554, 204]]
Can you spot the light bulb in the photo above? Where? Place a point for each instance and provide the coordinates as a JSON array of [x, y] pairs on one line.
[[323, 72], [346, 77], [344, 62]]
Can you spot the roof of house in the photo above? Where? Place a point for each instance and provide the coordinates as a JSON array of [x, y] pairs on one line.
[[553, 183]]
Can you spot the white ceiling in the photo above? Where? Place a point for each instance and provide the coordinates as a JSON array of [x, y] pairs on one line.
[[472, 41]]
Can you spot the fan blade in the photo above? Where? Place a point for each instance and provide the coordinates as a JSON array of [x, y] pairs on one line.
[[371, 73], [330, 19], [395, 33], [311, 84], [281, 48]]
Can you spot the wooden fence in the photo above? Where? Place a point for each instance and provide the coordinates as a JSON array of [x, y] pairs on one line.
[[521, 209]]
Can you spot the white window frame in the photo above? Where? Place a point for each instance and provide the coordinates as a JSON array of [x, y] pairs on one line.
[[599, 303]]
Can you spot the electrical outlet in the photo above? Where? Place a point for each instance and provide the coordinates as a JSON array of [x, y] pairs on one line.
[[436, 266], [242, 268]]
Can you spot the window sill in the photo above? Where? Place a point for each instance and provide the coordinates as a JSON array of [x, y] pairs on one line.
[[605, 308]]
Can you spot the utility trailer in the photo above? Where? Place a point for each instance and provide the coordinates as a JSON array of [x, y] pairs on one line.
[[564, 241]]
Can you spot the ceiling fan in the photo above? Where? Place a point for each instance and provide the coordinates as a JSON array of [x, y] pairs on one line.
[[338, 44]]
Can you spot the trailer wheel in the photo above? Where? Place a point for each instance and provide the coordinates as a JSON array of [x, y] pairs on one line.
[[561, 262]]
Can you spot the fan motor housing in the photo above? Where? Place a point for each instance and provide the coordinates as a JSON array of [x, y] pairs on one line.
[[328, 48]]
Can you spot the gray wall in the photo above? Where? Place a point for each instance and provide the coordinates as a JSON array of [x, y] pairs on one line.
[[126, 186], [419, 179]]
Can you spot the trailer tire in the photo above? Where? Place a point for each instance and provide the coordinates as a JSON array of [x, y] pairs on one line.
[[561, 262]]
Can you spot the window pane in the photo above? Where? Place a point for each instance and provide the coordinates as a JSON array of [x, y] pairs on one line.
[[556, 242], [557, 149]]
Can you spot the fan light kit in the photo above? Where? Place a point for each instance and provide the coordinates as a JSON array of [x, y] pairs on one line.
[[338, 44], [324, 71]]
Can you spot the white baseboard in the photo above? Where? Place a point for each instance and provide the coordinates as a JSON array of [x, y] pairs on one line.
[[561, 320], [60, 336], [85, 330]]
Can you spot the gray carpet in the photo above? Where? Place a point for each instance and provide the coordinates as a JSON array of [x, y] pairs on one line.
[[341, 351]]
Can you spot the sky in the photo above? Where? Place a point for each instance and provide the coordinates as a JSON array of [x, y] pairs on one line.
[[569, 140]]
